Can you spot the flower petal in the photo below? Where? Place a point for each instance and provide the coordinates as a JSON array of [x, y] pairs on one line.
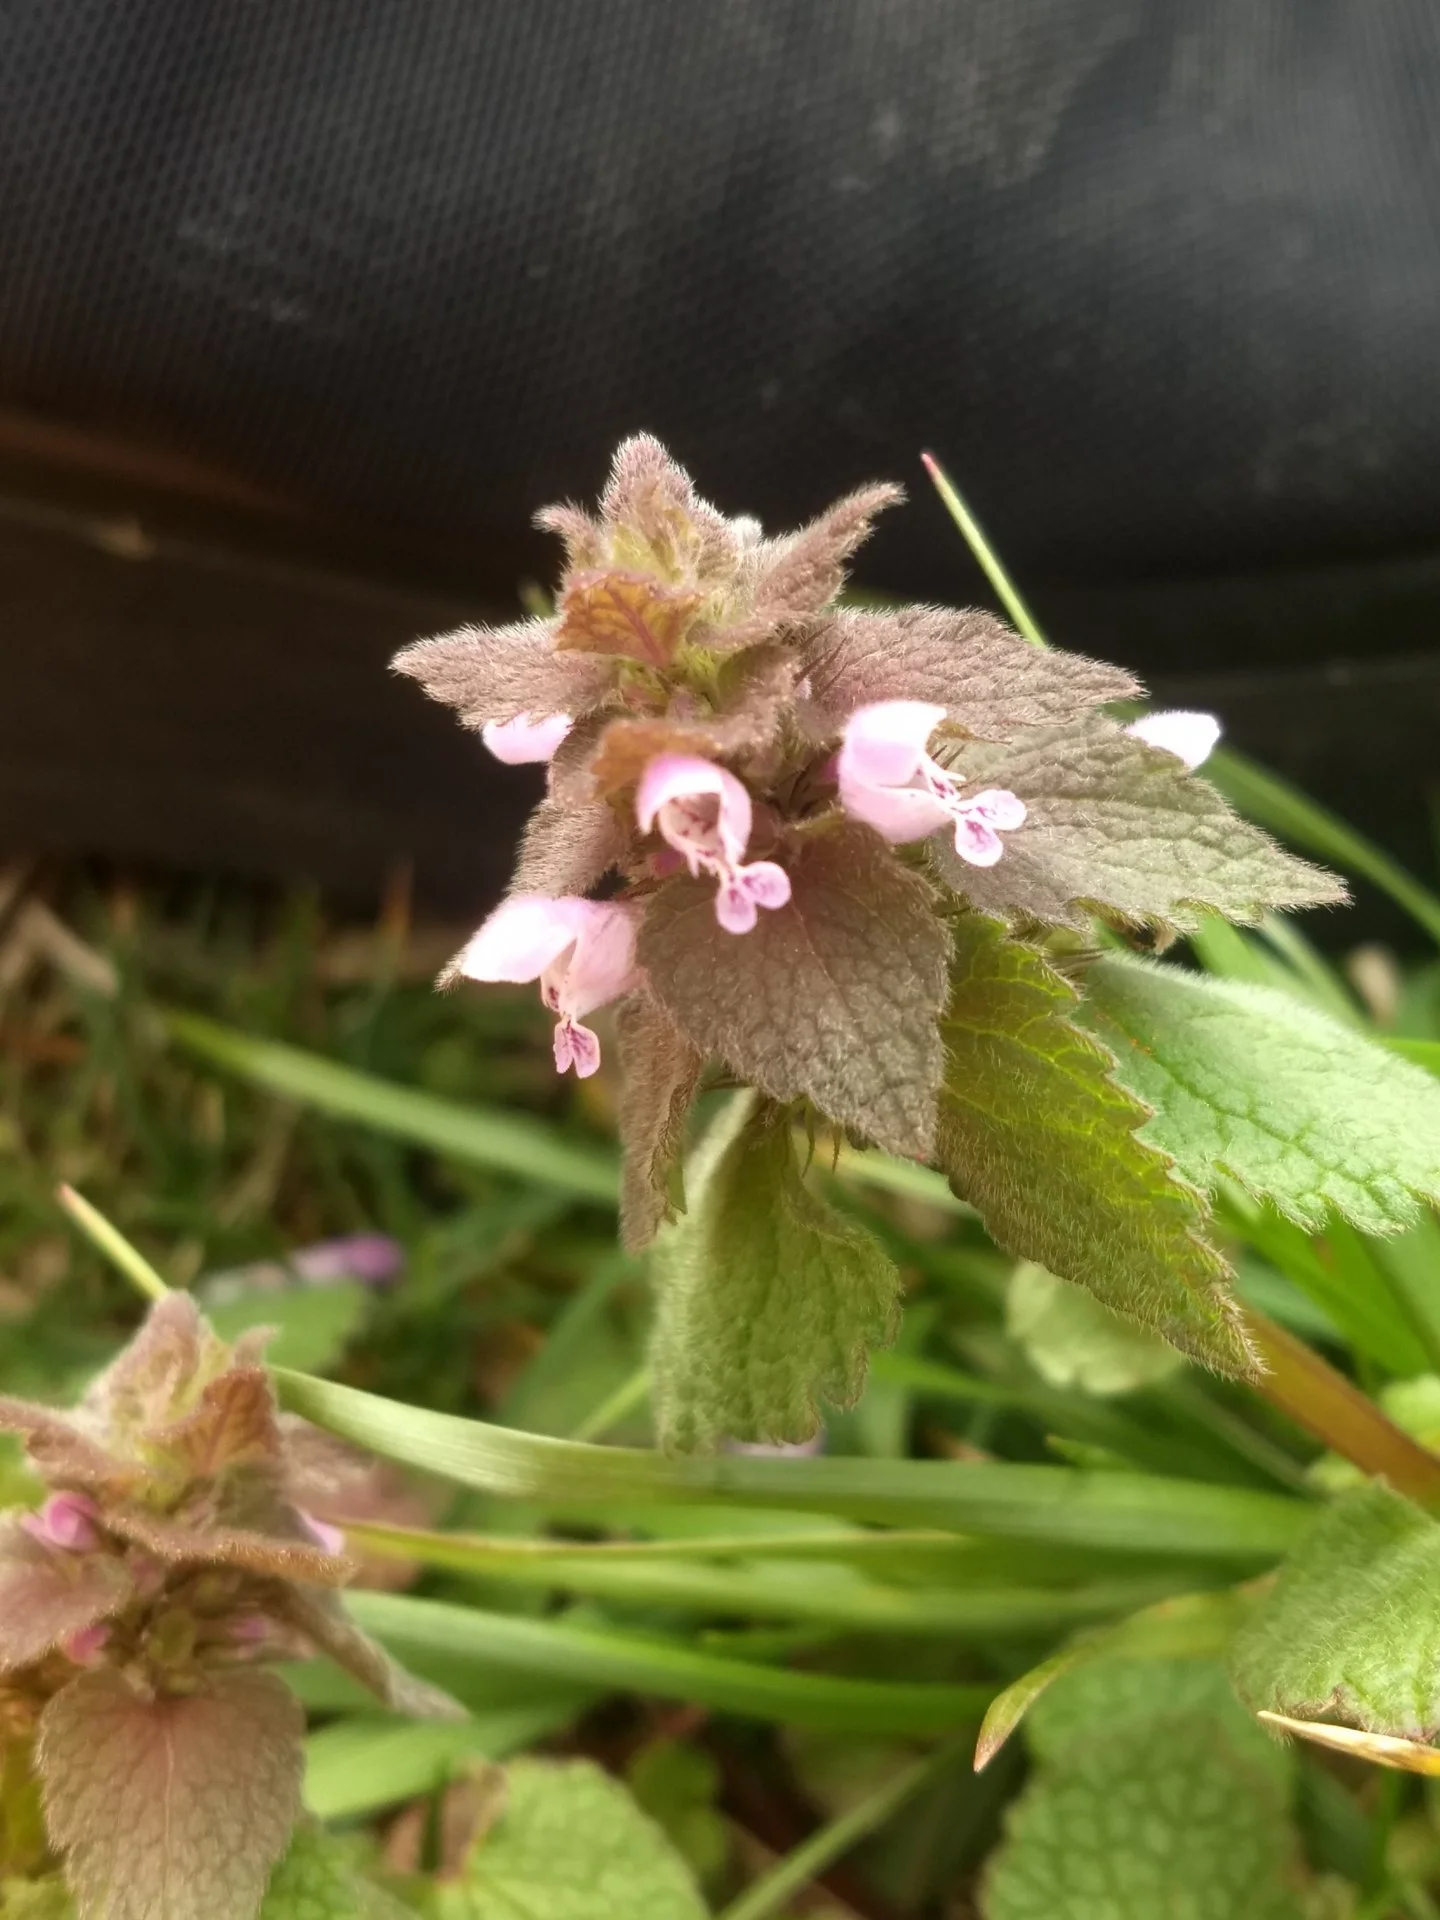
[[997, 807], [976, 843], [767, 884], [884, 742], [576, 1046], [526, 738], [602, 967], [672, 777], [1190, 737], [522, 937], [899, 813], [734, 908]]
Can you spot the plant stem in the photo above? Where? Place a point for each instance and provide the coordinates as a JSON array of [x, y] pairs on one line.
[[112, 1243], [1326, 1404], [774, 1890]]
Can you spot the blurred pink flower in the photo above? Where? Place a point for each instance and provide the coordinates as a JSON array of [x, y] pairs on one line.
[[704, 813], [1190, 737], [66, 1520], [889, 781], [526, 738], [581, 951]]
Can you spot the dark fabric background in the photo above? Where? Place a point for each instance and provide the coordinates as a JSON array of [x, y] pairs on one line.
[[1158, 277]]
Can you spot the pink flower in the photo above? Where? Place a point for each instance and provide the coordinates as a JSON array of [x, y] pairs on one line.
[[581, 951], [330, 1538], [889, 781], [1190, 737], [525, 738], [703, 812], [66, 1520], [86, 1644]]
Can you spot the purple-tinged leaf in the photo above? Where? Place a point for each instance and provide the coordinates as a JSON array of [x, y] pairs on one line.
[[568, 850], [835, 996], [323, 1622], [47, 1593], [991, 683], [169, 1807], [1124, 828], [497, 673], [632, 616]]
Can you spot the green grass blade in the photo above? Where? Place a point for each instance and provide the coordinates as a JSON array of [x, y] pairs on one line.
[[767, 1590], [774, 1890], [513, 1143], [1005, 588], [1138, 1512], [370, 1761], [1425, 1053], [112, 1243], [1285, 810], [420, 1631]]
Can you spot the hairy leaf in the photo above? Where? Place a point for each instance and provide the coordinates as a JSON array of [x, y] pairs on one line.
[[1073, 1341], [768, 1301], [156, 1378], [1124, 828], [567, 849], [276, 1556], [322, 1619], [319, 1880], [631, 615], [571, 1845], [835, 995], [1176, 1811], [653, 519], [1038, 1137], [232, 1425], [169, 1807], [798, 575], [495, 673], [47, 1593], [660, 1072], [1260, 1085], [992, 683], [1351, 1629]]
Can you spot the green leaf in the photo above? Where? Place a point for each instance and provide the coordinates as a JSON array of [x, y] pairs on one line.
[[171, 1806], [1121, 828], [834, 995], [319, 1880], [1036, 1134], [678, 1786], [768, 1301], [313, 1325], [1144, 1513], [571, 1845], [1160, 1799], [1257, 1085], [1073, 1341], [660, 1072], [47, 1899], [1350, 1629]]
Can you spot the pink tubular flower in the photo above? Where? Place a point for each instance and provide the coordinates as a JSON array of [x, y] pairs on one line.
[[66, 1520], [1190, 737], [86, 1644], [581, 951], [703, 812], [889, 781], [525, 738]]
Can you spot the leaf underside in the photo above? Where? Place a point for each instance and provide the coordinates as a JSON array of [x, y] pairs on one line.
[[768, 1301]]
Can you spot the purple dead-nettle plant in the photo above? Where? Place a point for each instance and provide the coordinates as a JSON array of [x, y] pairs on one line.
[[852, 861], [173, 1561]]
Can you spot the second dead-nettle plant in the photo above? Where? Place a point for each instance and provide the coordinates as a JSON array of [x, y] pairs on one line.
[[855, 862]]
